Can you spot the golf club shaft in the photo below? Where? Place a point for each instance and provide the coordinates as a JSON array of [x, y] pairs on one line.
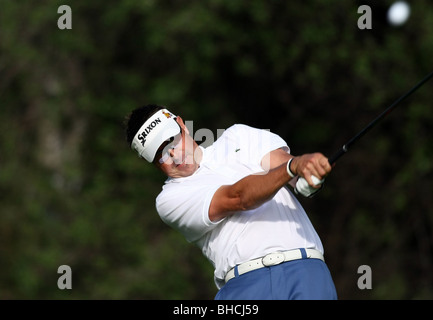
[[348, 144]]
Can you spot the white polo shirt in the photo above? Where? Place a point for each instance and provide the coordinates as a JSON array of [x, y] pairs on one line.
[[279, 224]]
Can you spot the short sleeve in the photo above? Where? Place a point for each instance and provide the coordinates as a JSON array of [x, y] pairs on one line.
[[185, 208], [258, 142]]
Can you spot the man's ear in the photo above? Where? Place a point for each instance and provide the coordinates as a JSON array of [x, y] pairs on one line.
[[182, 124]]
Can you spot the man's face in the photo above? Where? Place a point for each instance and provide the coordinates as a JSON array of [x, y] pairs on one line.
[[176, 157]]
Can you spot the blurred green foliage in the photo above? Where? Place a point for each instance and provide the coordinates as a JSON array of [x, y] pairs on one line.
[[72, 192]]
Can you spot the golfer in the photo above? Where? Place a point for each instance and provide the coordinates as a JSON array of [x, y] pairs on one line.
[[233, 200]]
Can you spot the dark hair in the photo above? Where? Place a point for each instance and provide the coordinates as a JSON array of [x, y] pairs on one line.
[[136, 119]]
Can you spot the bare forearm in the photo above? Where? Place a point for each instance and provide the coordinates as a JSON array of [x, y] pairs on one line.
[[256, 189], [248, 193]]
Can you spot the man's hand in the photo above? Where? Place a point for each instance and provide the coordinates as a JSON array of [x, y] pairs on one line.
[[308, 165], [312, 170]]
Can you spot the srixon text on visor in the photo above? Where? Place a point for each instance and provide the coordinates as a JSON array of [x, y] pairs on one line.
[[142, 136]]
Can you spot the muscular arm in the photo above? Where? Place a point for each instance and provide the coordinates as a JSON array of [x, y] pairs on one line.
[[254, 190], [248, 193]]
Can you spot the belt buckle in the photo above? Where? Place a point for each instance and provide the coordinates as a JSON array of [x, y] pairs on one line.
[[273, 259]]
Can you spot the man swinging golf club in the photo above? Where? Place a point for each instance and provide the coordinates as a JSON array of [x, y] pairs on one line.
[[232, 200]]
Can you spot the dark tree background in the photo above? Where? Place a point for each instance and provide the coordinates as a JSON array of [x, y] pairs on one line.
[[73, 193]]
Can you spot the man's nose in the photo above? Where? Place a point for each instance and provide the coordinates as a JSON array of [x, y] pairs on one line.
[[171, 152], [176, 155]]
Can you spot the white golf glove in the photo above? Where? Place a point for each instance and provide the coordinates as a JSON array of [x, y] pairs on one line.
[[302, 187]]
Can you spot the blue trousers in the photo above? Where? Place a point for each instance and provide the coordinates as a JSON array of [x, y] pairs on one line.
[[305, 279]]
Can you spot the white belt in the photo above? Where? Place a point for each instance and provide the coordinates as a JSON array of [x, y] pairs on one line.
[[273, 259]]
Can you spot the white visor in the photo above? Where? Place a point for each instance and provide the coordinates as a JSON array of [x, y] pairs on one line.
[[154, 132]]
